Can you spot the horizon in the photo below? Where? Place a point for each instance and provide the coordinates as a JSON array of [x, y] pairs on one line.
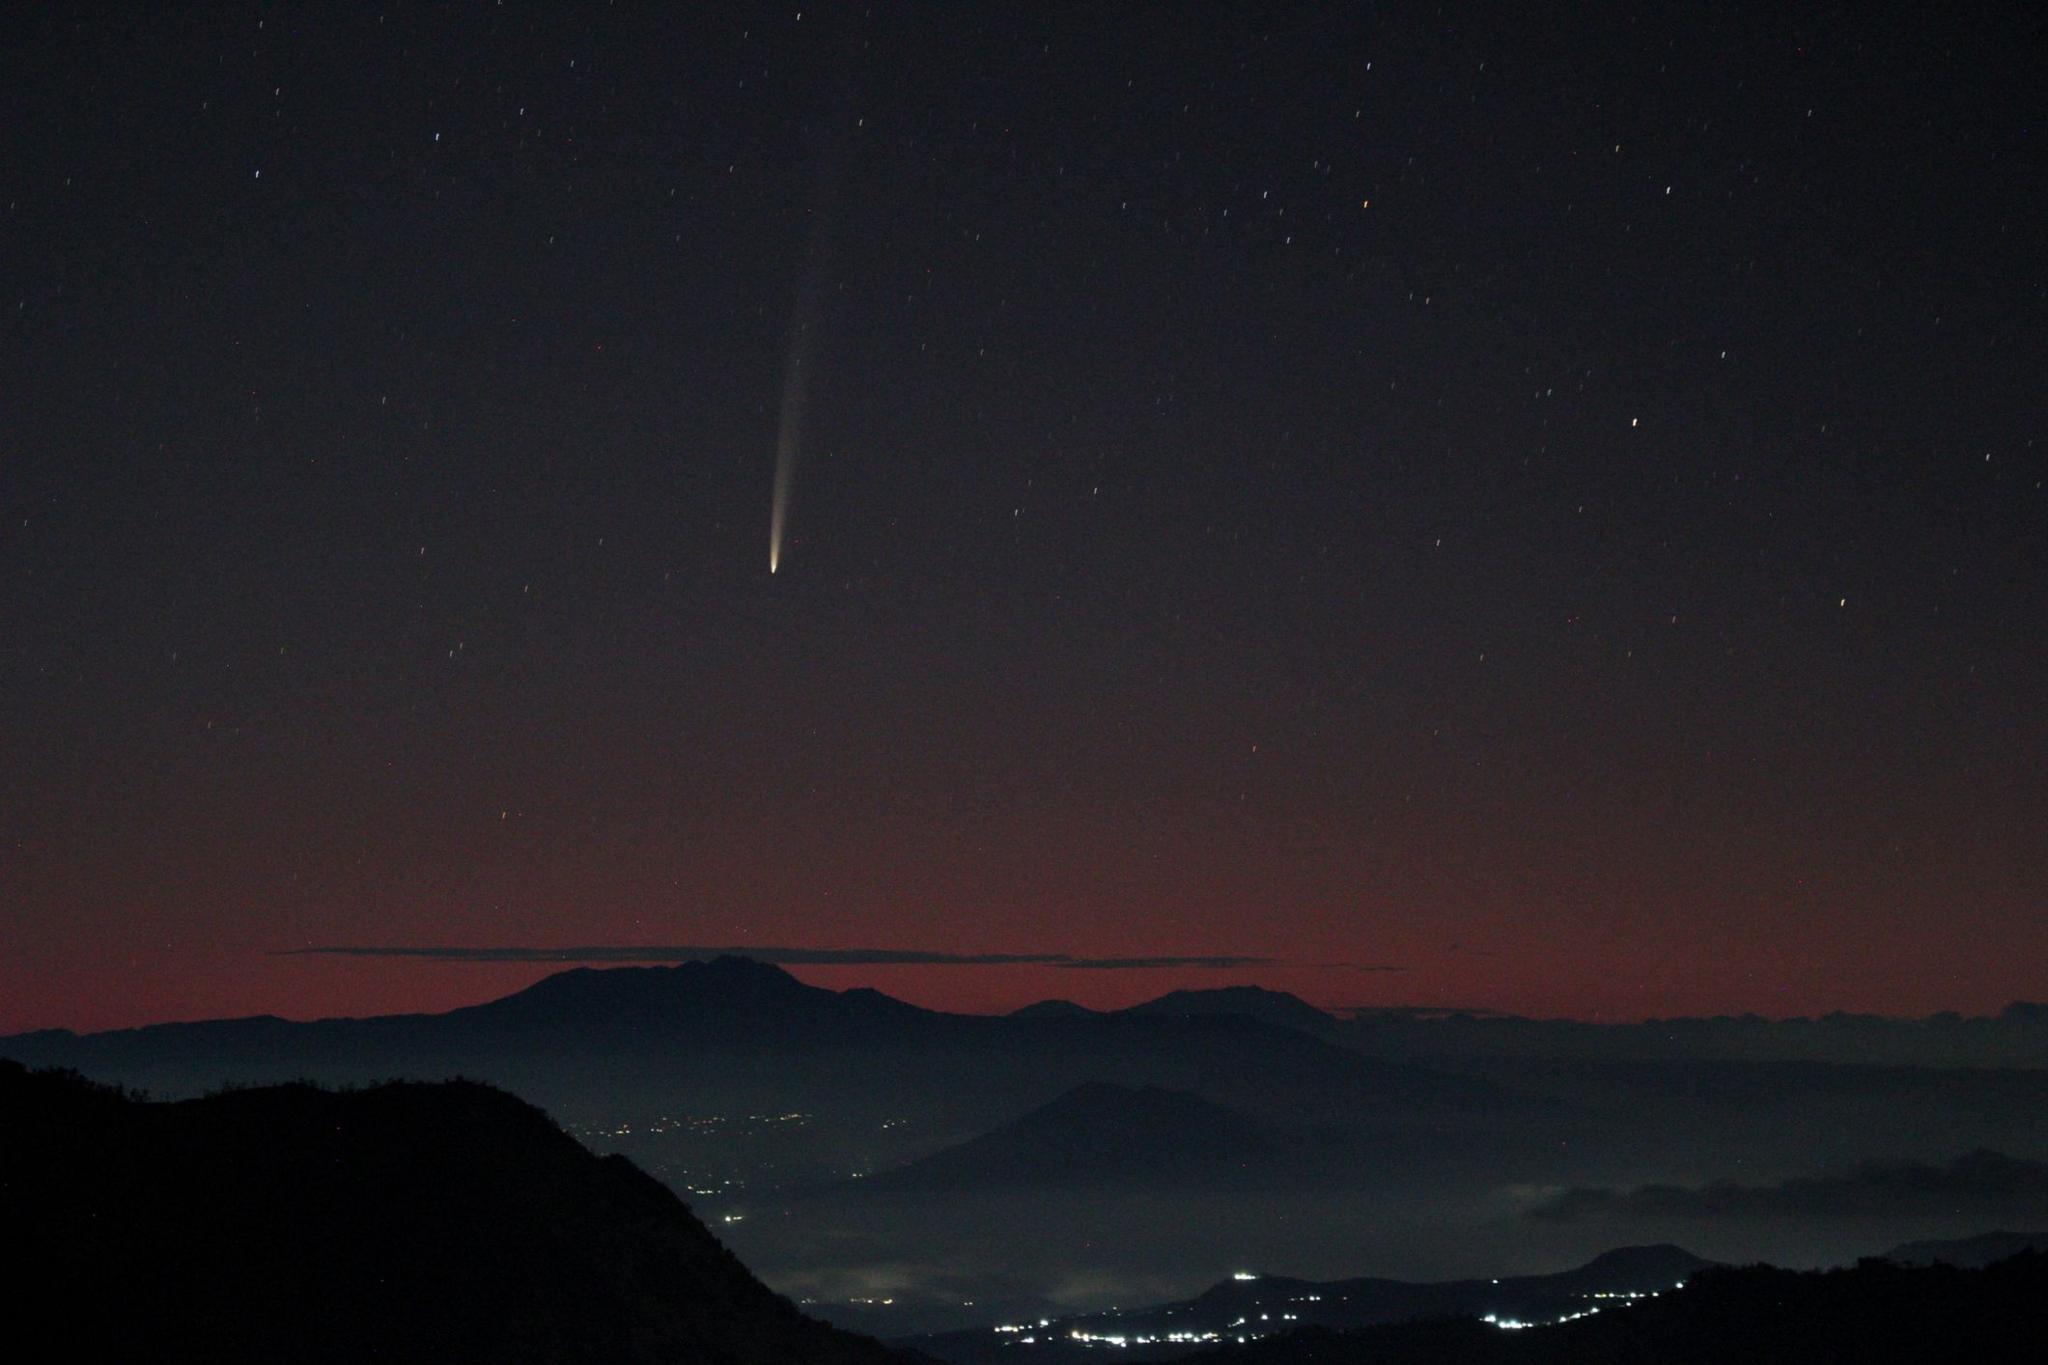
[[494, 978]]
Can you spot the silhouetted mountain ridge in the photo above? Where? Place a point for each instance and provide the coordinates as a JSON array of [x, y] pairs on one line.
[[1053, 1009], [736, 1034], [408, 1222], [1253, 1002], [648, 1004], [2016, 1036]]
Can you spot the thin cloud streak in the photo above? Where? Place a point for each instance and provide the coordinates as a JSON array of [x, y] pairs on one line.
[[781, 956], [1983, 1184]]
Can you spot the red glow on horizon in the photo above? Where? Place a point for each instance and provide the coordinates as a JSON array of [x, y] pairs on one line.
[[192, 986]]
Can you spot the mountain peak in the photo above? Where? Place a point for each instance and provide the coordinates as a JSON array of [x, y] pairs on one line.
[[1054, 1009], [1254, 1002], [723, 993]]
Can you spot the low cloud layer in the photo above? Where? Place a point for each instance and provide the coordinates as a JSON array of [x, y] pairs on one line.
[[1980, 1182], [787, 957]]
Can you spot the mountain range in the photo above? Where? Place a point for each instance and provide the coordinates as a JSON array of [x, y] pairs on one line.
[[451, 1222], [734, 1035], [2017, 1036], [905, 1168]]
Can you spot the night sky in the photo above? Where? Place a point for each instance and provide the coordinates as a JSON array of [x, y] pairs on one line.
[[1488, 505]]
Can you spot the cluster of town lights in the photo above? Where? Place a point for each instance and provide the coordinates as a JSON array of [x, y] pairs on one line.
[[1028, 1333], [1624, 1296]]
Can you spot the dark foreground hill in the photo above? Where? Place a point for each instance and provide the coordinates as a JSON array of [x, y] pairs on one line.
[[1875, 1314], [406, 1222]]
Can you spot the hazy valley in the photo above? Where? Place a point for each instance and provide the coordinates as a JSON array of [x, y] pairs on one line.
[[905, 1171]]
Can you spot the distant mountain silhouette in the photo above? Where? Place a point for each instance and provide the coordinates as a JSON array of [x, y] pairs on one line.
[[2015, 1037], [1970, 1252], [1984, 1183], [618, 1015], [407, 1222], [1253, 1002], [1053, 1009], [1270, 1304], [1101, 1133], [694, 1069], [733, 1034], [1875, 1314], [686, 1001]]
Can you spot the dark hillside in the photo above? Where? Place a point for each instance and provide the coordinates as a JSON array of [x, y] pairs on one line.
[[445, 1222]]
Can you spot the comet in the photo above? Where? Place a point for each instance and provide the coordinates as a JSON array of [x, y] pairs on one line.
[[806, 322], [796, 402]]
